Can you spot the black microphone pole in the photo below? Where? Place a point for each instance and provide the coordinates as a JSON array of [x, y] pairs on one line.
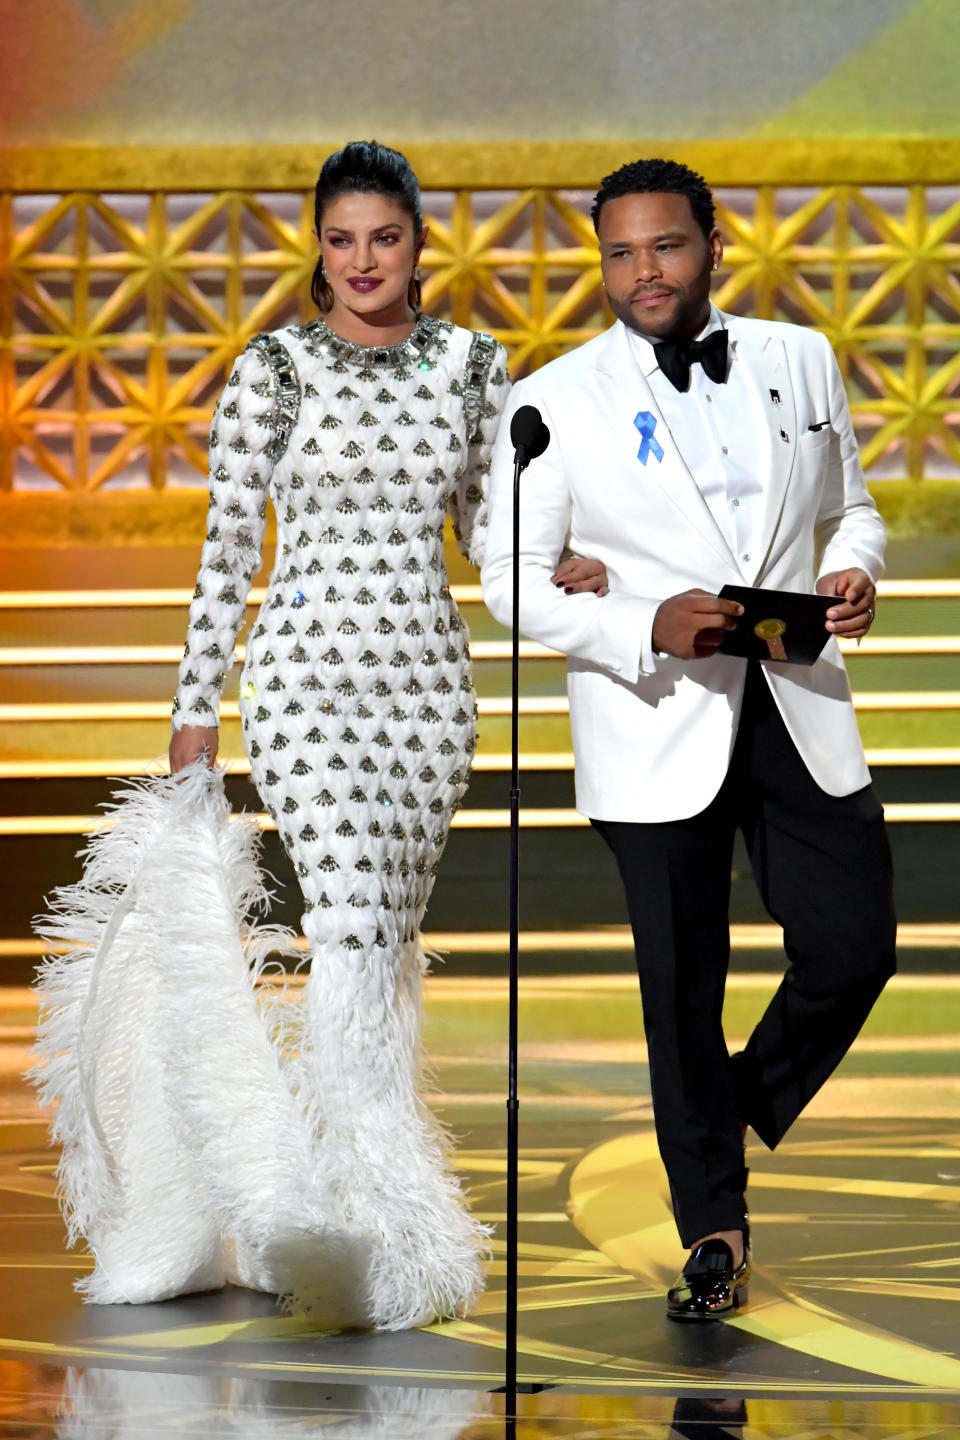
[[513, 1102], [530, 437]]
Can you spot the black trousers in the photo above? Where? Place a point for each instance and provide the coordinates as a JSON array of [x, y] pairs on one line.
[[823, 869]]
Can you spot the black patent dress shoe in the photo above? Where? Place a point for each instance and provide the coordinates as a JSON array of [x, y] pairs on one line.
[[710, 1287]]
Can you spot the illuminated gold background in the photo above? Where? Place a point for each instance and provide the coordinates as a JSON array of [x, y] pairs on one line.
[[155, 209], [175, 72]]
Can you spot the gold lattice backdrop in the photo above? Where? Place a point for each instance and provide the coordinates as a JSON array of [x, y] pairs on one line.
[[120, 314]]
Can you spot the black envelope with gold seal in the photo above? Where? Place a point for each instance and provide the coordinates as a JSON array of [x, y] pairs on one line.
[[777, 625]]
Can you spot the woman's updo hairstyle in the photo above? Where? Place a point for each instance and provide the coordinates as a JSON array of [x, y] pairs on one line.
[[363, 167]]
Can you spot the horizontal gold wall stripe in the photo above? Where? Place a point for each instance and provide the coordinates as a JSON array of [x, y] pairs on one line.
[[573, 164], [487, 705], [533, 818], [946, 589], [907, 700], [922, 755], [122, 768], [229, 710], [611, 939], [920, 813], [154, 598], [59, 655], [178, 598], [175, 516], [544, 761]]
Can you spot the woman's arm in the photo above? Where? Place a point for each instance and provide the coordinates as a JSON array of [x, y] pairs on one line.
[[240, 470]]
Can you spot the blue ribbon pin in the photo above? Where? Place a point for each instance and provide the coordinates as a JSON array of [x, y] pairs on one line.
[[646, 424]]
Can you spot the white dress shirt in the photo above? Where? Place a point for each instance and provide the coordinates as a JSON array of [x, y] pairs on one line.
[[723, 437]]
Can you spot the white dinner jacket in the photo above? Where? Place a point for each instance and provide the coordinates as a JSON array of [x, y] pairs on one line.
[[653, 735]]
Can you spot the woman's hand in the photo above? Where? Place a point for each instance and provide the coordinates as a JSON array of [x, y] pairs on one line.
[[190, 743], [577, 576]]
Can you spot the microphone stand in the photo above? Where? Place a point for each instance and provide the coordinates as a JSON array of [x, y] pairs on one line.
[[530, 438], [513, 1102]]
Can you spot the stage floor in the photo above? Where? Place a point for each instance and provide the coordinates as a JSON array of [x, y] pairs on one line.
[[851, 1330]]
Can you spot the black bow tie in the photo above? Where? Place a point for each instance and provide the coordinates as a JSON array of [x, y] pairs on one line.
[[676, 356]]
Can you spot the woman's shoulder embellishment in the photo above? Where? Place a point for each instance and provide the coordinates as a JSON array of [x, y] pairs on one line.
[[287, 390]]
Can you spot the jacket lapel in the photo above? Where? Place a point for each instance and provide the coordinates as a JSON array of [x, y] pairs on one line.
[[766, 361], [623, 393]]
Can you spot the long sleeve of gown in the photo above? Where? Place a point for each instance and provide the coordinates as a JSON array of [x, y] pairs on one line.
[[240, 469], [468, 503]]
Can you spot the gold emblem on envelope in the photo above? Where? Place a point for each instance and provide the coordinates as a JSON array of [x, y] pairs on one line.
[[771, 631]]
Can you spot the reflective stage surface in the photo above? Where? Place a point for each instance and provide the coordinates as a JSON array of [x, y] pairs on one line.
[[851, 1330], [116, 1404]]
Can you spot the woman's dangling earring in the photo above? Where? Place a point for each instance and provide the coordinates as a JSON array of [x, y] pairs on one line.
[[326, 292], [415, 292]]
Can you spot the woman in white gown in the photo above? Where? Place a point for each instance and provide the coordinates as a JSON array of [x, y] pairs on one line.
[[364, 428]]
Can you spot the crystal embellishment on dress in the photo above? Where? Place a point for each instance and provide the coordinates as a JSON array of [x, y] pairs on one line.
[[288, 396], [425, 332]]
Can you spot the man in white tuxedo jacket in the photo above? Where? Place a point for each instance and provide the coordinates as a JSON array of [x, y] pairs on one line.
[[688, 450]]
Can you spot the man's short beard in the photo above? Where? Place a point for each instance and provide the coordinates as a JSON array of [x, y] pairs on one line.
[[683, 328]]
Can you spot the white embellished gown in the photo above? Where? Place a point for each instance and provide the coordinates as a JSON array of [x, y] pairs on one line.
[[357, 702], [359, 718]]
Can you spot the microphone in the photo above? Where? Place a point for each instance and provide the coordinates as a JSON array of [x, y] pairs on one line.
[[529, 435]]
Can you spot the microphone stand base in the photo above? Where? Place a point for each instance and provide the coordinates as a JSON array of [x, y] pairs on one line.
[[523, 1389]]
